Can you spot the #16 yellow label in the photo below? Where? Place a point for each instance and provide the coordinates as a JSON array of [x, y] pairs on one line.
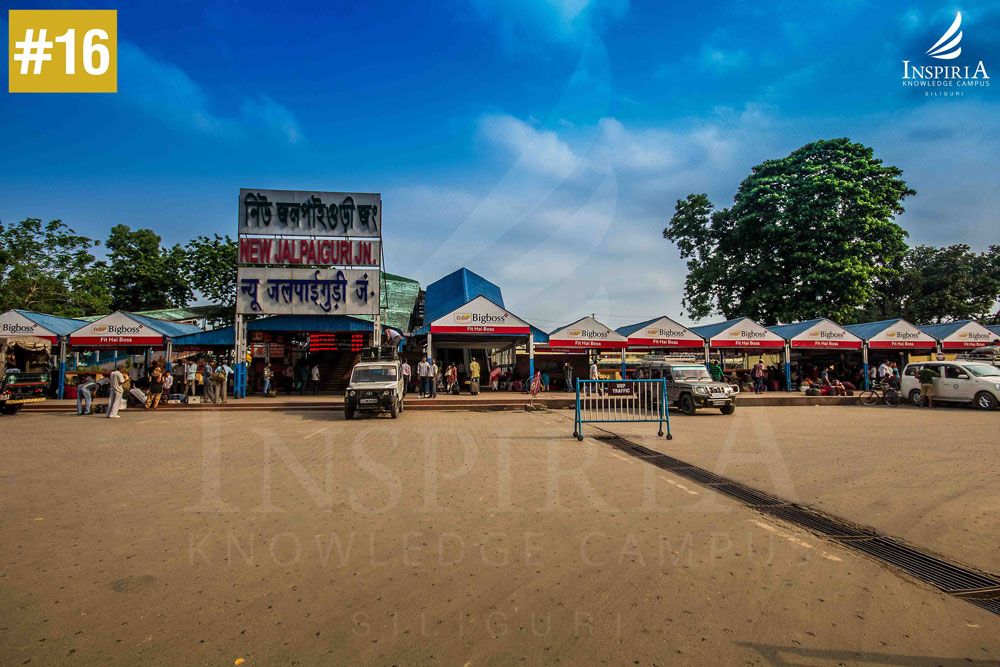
[[62, 51]]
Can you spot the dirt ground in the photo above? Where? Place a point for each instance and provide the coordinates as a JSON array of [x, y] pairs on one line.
[[482, 538]]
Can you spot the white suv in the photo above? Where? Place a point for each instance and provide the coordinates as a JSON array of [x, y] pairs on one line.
[[957, 381]]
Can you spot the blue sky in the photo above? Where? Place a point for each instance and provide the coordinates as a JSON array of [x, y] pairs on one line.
[[542, 144]]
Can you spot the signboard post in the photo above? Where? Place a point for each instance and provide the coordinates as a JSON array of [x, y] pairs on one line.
[[306, 253]]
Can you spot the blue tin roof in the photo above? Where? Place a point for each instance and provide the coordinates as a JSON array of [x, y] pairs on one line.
[[790, 331], [632, 328], [708, 331], [226, 336], [944, 329], [867, 330], [313, 323], [995, 328], [60, 326], [455, 290], [168, 329]]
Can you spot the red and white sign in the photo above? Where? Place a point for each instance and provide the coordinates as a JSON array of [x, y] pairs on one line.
[[901, 335], [828, 335], [747, 333], [308, 251], [115, 330], [664, 332], [481, 316], [15, 325], [969, 336], [587, 333]]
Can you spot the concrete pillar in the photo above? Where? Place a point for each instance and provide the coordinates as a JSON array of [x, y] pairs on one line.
[[62, 367], [531, 355]]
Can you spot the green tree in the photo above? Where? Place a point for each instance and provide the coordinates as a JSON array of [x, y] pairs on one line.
[[49, 268], [808, 235], [950, 283], [142, 274], [211, 268]]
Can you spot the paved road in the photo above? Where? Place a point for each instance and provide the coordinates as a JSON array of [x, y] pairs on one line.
[[481, 538]]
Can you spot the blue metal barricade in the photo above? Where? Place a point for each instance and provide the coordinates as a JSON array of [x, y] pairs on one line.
[[617, 401]]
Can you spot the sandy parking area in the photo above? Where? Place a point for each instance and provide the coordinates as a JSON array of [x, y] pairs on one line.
[[926, 476], [467, 538]]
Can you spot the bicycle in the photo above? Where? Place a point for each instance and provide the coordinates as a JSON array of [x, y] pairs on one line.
[[880, 393]]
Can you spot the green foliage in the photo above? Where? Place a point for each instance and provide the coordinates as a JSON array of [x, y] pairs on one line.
[[210, 265], [142, 274], [49, 268], [809, 235], [950, 283]]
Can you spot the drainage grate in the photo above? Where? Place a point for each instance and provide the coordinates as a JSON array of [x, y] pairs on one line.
[[946, 576], [980, 589], [816, 522], [747, 495]]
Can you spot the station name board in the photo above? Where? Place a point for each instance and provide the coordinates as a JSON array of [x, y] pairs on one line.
[[306, 213]]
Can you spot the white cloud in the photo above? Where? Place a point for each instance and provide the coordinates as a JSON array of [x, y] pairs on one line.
[[167, 93], [538, 150], [523, 24]]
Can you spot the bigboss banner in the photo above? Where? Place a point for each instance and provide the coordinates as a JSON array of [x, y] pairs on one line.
[[308, 251]]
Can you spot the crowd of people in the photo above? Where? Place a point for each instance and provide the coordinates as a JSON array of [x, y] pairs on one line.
[[205, 378]]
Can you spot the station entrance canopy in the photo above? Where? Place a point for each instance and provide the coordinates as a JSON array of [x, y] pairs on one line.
[[959, 335], [480, 316], [892, 335], [661, 332], [819, 333], [739, 333], [21, 324], [121, 329], [587, 334]]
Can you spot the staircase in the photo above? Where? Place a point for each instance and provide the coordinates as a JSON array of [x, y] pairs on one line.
[[335, 370]]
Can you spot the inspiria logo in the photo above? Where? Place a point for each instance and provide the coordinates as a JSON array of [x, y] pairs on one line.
[[940, 80]]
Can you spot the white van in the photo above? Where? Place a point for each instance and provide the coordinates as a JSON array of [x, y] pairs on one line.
[[957, 381]]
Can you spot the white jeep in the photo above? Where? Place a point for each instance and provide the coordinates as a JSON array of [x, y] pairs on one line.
[[376, 386]]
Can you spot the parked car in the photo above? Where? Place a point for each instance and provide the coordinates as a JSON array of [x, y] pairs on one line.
[[972, 382], [375, 386], [17, 389], [690, 386]]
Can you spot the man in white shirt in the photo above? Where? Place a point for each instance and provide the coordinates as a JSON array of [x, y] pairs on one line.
[[434, 373], [423, 370], [314, 378], [884, 371], [190, 370], [115, 399], [407, 372]]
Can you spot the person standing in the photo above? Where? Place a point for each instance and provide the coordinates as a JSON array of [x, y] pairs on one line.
[[536, 387], [406, 371], [288, 375], [435, 376], [568, 375], [223, 372], [303, 376], [926, 376], [495, 378], [168, 383], [268, 374], [84, 394], [423, 368], [190, 372], [155, 388], [209, 384], [758, 377], [473, 373], [314, 378], [452, 378], [116, 383]]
